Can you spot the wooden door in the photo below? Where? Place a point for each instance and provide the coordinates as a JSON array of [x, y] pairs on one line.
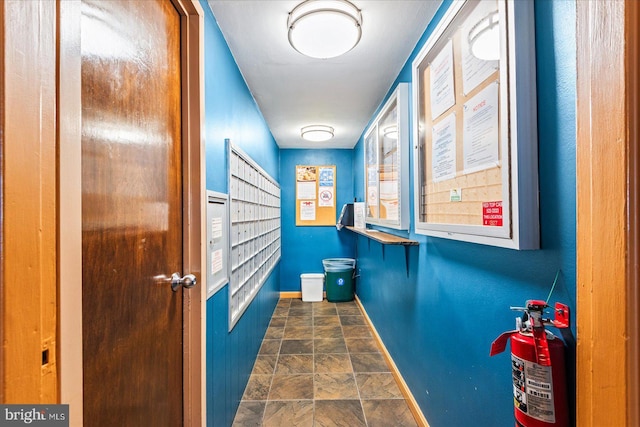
[[132, 321]]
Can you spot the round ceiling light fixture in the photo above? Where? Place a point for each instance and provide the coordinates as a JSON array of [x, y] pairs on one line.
[[316, 133], [484, 38], [324, 28]]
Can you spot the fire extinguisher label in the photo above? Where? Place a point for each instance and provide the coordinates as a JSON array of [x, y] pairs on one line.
[[533, 389]]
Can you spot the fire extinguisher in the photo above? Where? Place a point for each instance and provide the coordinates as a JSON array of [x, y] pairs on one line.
[[537, 366]]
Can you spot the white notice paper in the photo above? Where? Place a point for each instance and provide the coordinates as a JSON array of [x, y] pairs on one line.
[[481, 133], [372, 185], [443, 151], [216, 261], [325, 197], [306, 190], [358, 215], [441, 77], [216, 228], [308, 211]]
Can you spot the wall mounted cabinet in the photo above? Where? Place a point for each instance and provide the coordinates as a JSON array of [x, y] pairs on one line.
[[386, 163], [255, 229], [475, 134]]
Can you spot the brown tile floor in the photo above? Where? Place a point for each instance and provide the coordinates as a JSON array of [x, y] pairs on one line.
[[320, 366]]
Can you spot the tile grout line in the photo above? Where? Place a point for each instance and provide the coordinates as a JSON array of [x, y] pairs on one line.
[[275, 365], [366, 422], [264, 412], [273, 373], [313, 369]]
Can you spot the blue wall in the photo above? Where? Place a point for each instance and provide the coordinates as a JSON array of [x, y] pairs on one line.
[[304, 248], [231, 112], [439, 318]]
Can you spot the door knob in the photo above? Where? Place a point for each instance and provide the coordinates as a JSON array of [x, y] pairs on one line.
[[188, 281]]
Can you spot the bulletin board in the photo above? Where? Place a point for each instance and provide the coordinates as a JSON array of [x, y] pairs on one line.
[[475, 129], [255, 229], [315, 195]]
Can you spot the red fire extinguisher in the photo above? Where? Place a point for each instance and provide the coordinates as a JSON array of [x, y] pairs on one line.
[[537, 366]]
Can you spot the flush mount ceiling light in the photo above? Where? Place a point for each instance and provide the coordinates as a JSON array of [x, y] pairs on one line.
[[484, 38], [324, 28], [317, 133]]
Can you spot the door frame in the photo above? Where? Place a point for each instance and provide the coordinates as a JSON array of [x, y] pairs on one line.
[[28, 203], [608, 222], [70, 209]]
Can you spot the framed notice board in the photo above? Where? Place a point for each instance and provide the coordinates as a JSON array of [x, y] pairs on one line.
[[315, 195], [386, 163], [475, 135]]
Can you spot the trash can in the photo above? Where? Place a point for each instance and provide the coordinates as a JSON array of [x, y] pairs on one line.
[[311, 285], [339, 278]]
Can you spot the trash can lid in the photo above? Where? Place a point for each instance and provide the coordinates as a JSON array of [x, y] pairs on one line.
[[338, 269], [312, 276], [338, 264]]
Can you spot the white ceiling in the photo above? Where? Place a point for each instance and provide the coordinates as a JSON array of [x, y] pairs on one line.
[[293, 91]]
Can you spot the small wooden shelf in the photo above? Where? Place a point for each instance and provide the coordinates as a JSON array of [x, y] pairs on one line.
[[387, 239], [382, 237]]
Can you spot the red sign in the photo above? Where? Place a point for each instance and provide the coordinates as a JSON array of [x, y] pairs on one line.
[[492, 214]]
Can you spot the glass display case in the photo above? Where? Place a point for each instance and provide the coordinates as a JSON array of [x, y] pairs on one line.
[[475, 139], [386, 152]]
